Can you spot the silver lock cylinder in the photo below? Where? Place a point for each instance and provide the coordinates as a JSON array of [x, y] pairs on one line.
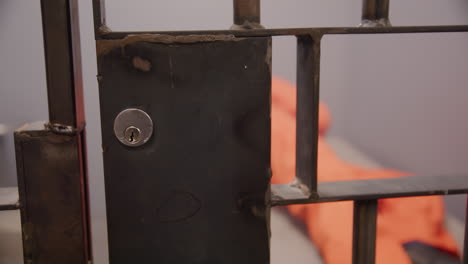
[[133, 127]]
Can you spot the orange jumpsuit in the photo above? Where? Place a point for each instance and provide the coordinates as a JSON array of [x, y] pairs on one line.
[[329, 225]]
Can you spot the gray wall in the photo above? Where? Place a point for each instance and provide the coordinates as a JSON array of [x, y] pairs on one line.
[[400, 99], [23, 95]]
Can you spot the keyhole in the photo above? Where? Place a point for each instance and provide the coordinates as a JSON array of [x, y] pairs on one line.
[[132, 134], [133, 127]]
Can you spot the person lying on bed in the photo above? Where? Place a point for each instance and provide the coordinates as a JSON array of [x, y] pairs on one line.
[[401, 223]]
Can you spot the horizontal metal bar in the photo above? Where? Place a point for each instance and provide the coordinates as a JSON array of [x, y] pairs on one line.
[[364, 231], [9, 198], [371, 189], [6, 207], [299, 31]]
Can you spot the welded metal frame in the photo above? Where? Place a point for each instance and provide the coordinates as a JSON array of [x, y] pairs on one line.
[[51, 156], [53, 188], [65, 94], [54, 217], [365, 193]]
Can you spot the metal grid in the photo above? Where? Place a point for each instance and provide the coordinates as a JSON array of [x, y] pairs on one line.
[[364, 193], [67, 120]]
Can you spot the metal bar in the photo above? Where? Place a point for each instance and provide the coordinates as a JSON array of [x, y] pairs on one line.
[[63, 62], [375, 9], [375, 12], [372, 189], [6, 207], [297, 31], [465, 243], [53, 221], [246, 12], [99, 15], [308, 75], [364, 231], [9, 198], [51, 162]]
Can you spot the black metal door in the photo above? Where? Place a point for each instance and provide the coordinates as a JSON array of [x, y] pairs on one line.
[[196, 191]]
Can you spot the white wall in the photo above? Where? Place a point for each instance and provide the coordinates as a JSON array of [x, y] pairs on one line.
[[399, 98]]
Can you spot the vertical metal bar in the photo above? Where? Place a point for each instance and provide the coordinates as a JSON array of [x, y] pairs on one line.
[[465, 244], [308, 81], [63, 62], [52, 162], [247, 13], [364, 231], [375, 9], [6, 207], [375, 13], [99, 14]]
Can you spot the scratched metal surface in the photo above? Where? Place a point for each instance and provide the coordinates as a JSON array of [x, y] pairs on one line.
[[196, 191], [51, 197]]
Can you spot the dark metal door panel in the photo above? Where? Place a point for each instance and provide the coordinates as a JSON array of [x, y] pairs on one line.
[[197, 191]]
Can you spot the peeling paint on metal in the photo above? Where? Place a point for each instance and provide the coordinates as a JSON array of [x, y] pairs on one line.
[[382, 22], [141, 64], [105, 46], [247, 25]]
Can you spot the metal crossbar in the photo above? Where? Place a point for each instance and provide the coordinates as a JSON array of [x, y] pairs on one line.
[[372, 189]]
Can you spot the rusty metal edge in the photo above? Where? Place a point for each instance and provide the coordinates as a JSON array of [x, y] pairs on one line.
[[371, 189], [296, 31], [26, 236]]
